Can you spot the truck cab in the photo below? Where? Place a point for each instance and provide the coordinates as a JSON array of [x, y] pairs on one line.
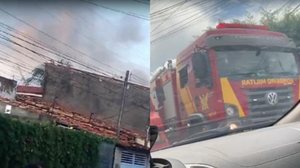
[[222, 77]]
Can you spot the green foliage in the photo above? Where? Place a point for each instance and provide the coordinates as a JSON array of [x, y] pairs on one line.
[[287, 22], [248, 20], [22, 143]]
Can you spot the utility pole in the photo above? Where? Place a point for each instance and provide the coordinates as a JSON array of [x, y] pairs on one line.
[[122, 104]]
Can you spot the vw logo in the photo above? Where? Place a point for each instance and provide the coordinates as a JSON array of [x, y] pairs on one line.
[[272, 98]]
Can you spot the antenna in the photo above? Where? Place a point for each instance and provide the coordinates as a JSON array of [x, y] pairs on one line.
[[22, 76]]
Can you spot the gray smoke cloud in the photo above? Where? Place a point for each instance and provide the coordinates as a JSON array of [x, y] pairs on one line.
[[111, 41]]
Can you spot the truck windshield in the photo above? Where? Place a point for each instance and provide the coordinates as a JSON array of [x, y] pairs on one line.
[[250, 62]]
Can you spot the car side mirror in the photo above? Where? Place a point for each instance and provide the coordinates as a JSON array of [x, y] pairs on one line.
[[167, 163], [153, 134]]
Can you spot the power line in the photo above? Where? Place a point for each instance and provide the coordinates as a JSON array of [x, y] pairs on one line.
[[9, 40], [29, 38], [15, 50], [115, 10], [194, 14], [3, 52], [185, 25], [294, 9], [186, 19], [3, 37], [7, 60], [9, 28], [154, 5], [167, 8], [44, 56], [169, 16], [284, 5], [143, 2], [58, 53], [44, 33], [186, 10]]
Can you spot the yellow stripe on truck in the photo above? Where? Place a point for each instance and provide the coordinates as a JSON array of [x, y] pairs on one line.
[[229, 96], [187, 100]]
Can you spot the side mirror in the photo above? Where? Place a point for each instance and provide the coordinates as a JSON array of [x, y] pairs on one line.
[[153, 134], [202, 69], [167, 163]]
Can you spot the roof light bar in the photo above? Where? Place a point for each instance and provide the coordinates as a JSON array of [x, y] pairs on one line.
[[242, 26]]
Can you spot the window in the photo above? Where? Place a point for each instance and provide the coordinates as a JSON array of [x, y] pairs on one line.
[[183, 75], [160, 94], [267, 63], [201, 69]]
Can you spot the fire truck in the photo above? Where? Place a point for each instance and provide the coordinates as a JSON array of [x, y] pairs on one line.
[[232, 75], [164, 95]]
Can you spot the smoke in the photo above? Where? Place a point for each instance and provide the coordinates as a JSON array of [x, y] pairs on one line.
[[130, 31], [95, 36]]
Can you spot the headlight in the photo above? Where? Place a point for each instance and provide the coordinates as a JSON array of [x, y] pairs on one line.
[[233, 126], [198, 166], [230, 110]]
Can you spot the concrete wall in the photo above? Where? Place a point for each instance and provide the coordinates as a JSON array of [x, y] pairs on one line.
[[7, 88], [89, 93]]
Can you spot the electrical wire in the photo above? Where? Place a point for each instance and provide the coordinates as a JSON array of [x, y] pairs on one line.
[[115, 10], [16, 50], [54, 51], [164, 10], [185, 25], [294, 10], [46, 34], [67, 58], [194, 14], [58, 54], [142, 2], [184, 10], [167, 18]]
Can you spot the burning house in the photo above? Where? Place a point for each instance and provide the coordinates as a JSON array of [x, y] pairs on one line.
[[84, 101]]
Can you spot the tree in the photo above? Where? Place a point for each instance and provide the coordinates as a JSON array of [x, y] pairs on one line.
[[248, 20], [287, 22]]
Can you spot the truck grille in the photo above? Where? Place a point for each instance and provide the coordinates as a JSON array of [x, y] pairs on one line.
[[261, 109]]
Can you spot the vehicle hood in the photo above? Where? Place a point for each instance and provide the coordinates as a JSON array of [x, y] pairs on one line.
[[247, 149]]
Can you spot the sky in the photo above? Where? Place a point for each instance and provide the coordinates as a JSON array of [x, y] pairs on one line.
[[177, 23], [104, 37]]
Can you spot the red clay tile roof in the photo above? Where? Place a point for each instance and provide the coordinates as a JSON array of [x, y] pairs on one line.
[[30, 89], [75, 120]]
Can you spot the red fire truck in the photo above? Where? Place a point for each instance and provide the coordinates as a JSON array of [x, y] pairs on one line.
[[231, 75]]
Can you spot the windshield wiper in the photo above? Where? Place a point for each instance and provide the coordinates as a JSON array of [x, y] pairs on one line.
[[220, 132], [284, 73], [243, 74]]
